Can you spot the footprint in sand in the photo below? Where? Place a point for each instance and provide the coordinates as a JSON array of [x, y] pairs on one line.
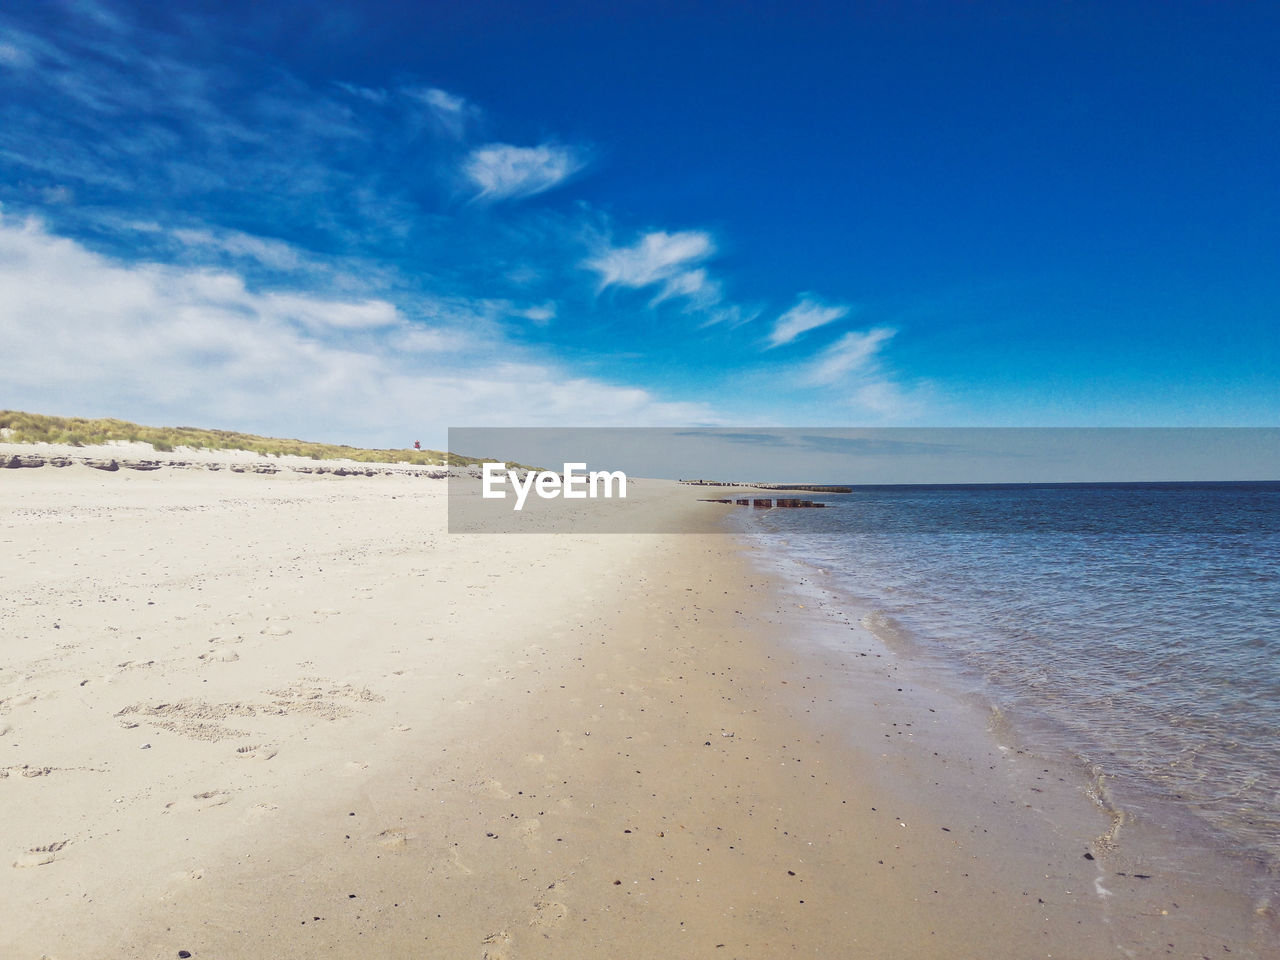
[[256, 752], [21, 700], [220, 656], [353, 767], [276, 631], [260, 811], [496, 946], [394, 839], [531, 830], [39, 856], [6, 729], [178, 880], [494, 787], [547, 913], [211, 798], [200, 801]]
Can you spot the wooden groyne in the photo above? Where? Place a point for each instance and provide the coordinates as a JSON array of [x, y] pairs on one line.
[[768, 503]]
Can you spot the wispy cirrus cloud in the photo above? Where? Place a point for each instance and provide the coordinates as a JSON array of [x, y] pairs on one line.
[[852, 369], [317, 313], [115, 111], [540, 314], [657, 257], [15, 57], [808, 314], [372, 94], [669, 261], [501, 171], [94, 110], [855, 352], [450, 111], [275, 254]]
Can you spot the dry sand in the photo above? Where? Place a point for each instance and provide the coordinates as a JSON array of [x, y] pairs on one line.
[[290, 716]]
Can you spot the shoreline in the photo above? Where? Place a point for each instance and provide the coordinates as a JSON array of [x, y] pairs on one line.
[[1222, 893], [541, 745]]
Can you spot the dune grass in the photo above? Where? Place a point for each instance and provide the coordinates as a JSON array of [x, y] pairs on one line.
[[19, 427]]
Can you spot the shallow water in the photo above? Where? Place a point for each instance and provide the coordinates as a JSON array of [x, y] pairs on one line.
[[1134, 627]]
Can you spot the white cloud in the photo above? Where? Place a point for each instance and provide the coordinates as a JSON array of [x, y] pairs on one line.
[[502, 172], [372, 94], [695, 285], [666, 260], [855, 352], [85, 334], [732, 316], [270, 253], [442, 100], [808, 314], [541, 314], [887, 399], [14, 56], [655, 257], [319, 314], [449, 111], [57, 195], [853, 375], [422, 340]]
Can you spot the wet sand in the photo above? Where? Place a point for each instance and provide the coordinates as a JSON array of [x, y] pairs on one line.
[[290, 716]]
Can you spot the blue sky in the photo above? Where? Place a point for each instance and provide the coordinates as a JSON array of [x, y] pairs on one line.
[[363, 223]]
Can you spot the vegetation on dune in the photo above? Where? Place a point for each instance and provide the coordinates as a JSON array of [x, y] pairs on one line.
[[19, 427]]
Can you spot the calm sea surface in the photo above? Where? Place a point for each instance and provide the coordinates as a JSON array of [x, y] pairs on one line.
[[1135, 627]]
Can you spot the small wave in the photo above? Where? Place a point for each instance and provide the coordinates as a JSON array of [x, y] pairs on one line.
[[1100, 794], [887, 630]]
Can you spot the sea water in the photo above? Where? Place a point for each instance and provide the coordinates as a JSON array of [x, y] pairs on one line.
[[1132, 628]]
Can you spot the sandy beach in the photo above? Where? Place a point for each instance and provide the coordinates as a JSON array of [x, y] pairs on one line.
[[289, 715]]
